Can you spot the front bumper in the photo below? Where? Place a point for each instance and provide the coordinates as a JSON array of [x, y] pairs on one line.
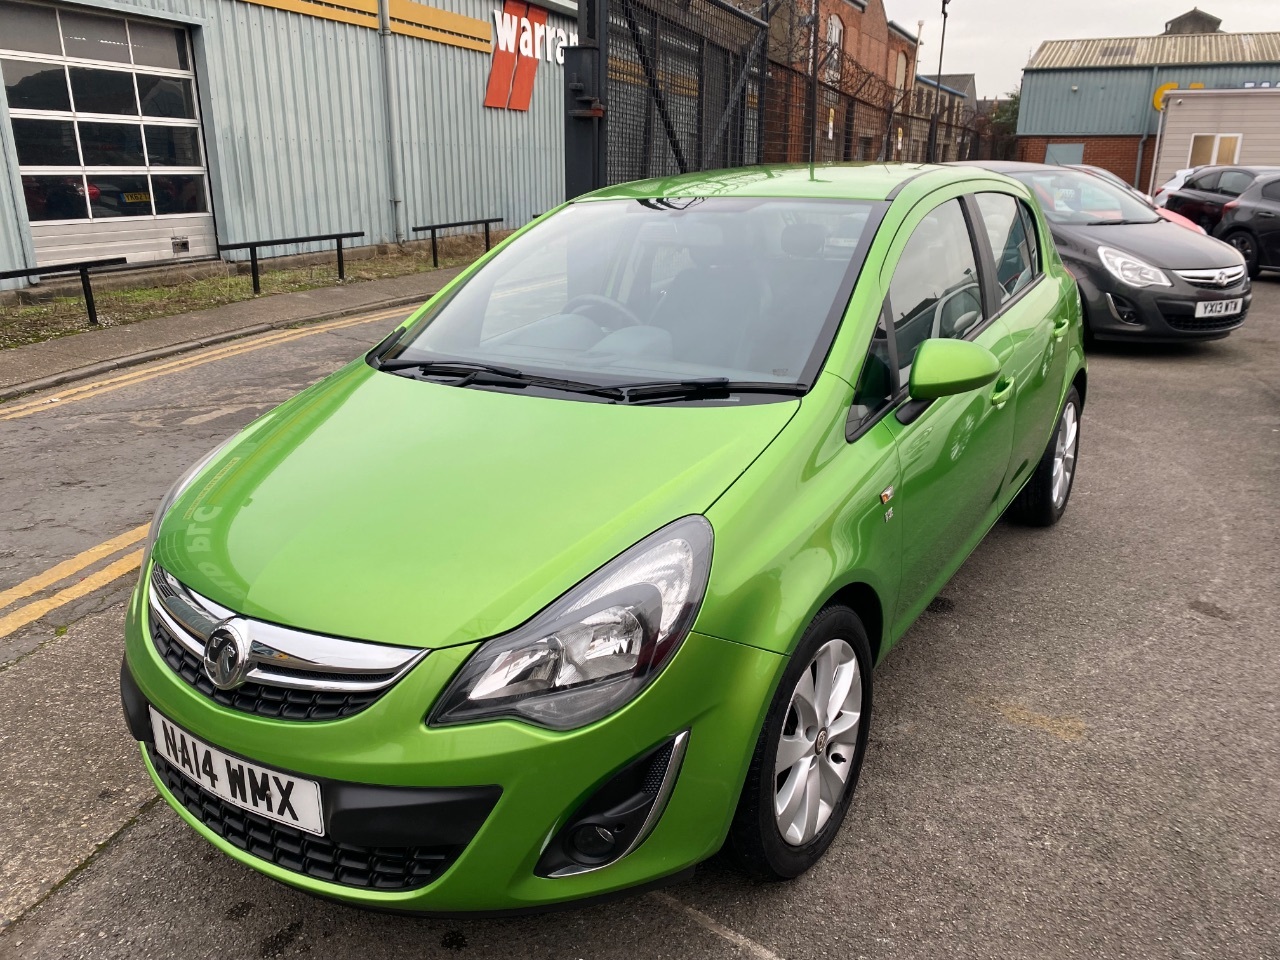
[[495, 792], [1156, 314]]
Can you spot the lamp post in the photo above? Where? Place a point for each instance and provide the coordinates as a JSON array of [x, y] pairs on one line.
[[932, 155]]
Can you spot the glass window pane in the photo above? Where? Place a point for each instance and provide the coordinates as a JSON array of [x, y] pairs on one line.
[[1271, 191], [173, 146], [1234, 182], [875, 383], [934, 292], [35, 86], [1228, 147], [179, 193], [45, 143], [103, 91], [54, 198], [158, 46], [1008, 238], [1201, 150], [94, 38], [34, 29], [166, 97], [117, 195], [111, 144]]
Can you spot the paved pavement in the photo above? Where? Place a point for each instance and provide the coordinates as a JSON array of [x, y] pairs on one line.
[[1076, 752], [42, 365]]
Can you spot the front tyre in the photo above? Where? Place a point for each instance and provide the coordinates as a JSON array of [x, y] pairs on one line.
[[809, 753], [1044, 499]]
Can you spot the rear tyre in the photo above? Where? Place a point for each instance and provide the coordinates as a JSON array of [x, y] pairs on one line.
[[809, 753], [1043, 500], [1248, 248]]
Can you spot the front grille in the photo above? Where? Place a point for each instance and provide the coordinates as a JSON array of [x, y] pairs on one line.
[[1204, 323], [1215, 278], [284, 703], [370, 868]]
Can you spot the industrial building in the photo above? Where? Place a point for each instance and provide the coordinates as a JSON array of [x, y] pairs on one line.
[[155, 129], [1099, 101]]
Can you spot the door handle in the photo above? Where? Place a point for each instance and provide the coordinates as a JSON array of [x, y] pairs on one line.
[[1060, 327], [1003, 391], [1265, 213]]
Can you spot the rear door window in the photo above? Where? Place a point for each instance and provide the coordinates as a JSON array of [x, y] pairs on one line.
[[1010, 246], [1234, 182], [1271, 191]]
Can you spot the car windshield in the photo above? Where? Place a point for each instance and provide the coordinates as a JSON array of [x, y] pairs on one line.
[[630, 291], [1070, 197]]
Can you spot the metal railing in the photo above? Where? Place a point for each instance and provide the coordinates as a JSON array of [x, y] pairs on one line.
[[253, 250], [433, 227], [82, 267]]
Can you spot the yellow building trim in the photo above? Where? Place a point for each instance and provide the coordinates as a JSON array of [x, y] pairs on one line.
[[407, 18], [406, 13], [359, 13]]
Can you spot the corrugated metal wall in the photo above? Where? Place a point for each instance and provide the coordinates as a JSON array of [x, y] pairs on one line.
[[1115, 102], [294, 121]]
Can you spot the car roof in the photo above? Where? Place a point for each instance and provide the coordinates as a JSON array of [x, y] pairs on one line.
[[846, 181]]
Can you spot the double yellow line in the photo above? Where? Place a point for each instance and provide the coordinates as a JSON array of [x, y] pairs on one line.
[[34, 610], [142, 374], [34, 590]]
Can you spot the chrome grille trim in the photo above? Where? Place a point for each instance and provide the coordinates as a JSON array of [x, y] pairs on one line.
[[282, 657], [1216, 277]]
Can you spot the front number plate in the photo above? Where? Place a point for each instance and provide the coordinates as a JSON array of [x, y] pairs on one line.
[[261, 790], [1219, 308]]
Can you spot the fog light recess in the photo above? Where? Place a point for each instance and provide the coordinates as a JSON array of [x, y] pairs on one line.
[[618, 816]]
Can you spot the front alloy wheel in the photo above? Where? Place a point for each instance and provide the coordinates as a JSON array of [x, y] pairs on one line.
[[819, 739], [1043, 500], [1244, 242], [809, 752]]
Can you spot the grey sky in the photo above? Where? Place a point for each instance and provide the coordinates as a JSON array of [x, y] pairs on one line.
[[994, 38]]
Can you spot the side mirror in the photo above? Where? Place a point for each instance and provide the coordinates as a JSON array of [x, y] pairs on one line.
[[943, 368]]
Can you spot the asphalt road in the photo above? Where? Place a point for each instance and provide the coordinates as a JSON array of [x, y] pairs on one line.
[[1076, 752]]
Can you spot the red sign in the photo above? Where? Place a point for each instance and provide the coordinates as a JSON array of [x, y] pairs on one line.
[[521, 38]]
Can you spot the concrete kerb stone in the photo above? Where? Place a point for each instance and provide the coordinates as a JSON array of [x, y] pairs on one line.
[[186, 346]]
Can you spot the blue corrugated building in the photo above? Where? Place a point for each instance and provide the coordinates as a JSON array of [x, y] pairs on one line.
[[155, 129], [1098, 101]]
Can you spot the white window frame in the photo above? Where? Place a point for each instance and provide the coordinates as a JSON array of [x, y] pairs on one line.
[[1217, 139], [81, 170]]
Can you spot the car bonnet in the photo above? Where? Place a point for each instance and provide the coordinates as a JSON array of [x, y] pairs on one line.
[[382, 508]]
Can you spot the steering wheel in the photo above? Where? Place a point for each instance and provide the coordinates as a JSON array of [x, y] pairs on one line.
[[623, 317]]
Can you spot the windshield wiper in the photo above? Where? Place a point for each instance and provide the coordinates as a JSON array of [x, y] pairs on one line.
[[661, 391], [447, 367], [1119, 222], [468, 373]]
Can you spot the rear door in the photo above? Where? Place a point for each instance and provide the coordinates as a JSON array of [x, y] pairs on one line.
[[1197, 199], [1036, 312], [953, 452], [1266, 220]]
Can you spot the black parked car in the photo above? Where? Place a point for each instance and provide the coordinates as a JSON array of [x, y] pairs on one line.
[[1251, 223], [1210, 189], [1140, 276]]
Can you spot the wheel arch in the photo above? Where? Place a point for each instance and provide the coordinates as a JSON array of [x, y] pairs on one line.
[[1081, 383], [865, 602]]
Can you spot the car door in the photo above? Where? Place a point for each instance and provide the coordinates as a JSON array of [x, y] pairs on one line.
[[1037, 315], [953, 452], [1266, 219], [1197, 198]]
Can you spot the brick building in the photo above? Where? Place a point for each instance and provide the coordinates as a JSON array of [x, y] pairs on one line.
[[1099, 101]]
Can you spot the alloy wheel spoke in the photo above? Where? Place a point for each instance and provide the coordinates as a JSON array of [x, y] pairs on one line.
[[791, 750], [805, 701], [812, 802], [846, 722], [846, 676], [788, 805], [825, 669], [833, 777]]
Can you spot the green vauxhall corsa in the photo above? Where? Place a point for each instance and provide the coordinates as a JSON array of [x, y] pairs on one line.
[[581, 574]]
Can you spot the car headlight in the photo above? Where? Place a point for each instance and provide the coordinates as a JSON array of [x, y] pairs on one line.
[[174, 493], [595, 648], [1127, 268]]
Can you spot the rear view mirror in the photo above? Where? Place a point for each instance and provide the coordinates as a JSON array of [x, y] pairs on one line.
[[944, 368]]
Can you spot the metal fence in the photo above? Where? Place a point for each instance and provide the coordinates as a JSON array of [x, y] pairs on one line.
[[706, 84], [683, 87]]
